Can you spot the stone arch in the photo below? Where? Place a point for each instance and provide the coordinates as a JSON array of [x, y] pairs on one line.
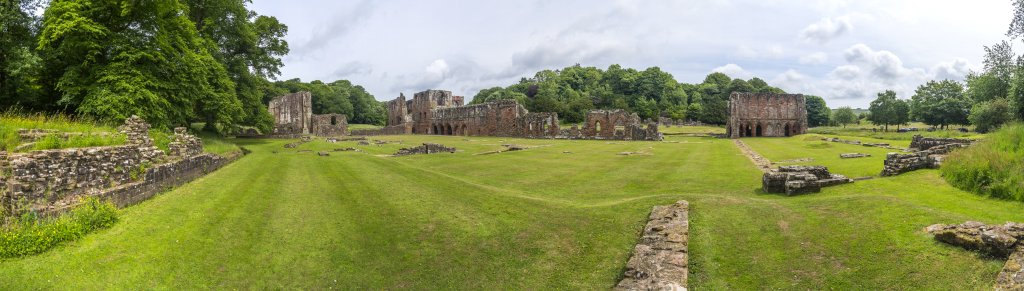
[[747, 130], [788, 128], [758, 130]]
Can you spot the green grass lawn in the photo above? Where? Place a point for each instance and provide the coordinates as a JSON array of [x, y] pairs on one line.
[[864, 130], [363, 126], [534, 219]]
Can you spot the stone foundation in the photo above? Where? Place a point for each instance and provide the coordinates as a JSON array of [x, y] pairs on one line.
[[660, 260], [426, 148], [996, 240], [896, 163], [795, 180], [925, 143]]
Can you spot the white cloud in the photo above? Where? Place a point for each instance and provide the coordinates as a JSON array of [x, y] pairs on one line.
[[791, 81], [814, 59], [953, 70], [883, 64], [826, 29], [765, 52], [734, 71], [845, 72]]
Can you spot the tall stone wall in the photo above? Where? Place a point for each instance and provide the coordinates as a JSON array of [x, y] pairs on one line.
[[766, 114], [329, 125], [292, 113]]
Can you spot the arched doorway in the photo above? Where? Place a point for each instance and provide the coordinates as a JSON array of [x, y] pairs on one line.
[[747, 131], [448, 130], [464, 132], [787, 129], [758, 131], [597, 128]]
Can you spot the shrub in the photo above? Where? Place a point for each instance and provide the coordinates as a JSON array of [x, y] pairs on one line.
[[32, 235], [993, 167]]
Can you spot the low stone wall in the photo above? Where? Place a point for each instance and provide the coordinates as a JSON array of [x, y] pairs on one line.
[[44, 180], [51, 181], [995, 240], [660, 259], [794, 180], [165, 176], [925, 143], [897, 163]]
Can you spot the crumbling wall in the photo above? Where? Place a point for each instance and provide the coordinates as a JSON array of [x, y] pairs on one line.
[[995, 240], [766, 114], [42, 180], [184, 144], [925, 143], [329, 125], [437, 112], [292, 113], [51, 181], [794, 180], [897, 163], [164, 176], [660, 258]]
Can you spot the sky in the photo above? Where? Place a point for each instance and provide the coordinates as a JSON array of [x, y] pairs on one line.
[[844, 51]]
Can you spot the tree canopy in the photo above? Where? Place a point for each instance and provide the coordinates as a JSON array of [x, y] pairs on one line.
[[940, 103], [340, 97], [887, 110], [651, 93]]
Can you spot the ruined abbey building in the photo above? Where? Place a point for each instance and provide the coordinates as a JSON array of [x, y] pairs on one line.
[[766, 114], [293, 116], [438, 112]]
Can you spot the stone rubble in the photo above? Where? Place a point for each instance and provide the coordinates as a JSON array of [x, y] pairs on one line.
[[794, 180], [996, 240], [660, 259], [853, 155], [426, 148], [184, 144]]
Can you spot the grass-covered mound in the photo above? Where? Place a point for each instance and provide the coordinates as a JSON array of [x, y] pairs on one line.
[[93, 133], [32, 235], [993, 167]]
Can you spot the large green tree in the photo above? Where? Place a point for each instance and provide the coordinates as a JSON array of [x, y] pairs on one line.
[[887, 110], [817, 111], [19, 63], [113, 59], [249, 45], [844, 115], [940, 103]]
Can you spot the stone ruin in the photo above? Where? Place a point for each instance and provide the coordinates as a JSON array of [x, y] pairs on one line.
[[52, 181], [794, 180], [660, 259], [184, 144], [927, 153], [1003, 241], [426, 148], [293, 116], [766, 114], [438, 112], [853, 155], [922, 143]]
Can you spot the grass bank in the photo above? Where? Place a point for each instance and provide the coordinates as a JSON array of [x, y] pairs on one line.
[[992, 167]]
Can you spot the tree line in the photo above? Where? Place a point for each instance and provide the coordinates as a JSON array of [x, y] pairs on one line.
[[651, 93], [171, 62]]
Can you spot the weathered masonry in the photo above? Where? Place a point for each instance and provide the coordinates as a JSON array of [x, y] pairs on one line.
[[438, 112], [52, 181], [765, 114], [293, 116]]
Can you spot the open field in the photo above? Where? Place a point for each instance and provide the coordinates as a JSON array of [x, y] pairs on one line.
[[534, 219], [865, 130]]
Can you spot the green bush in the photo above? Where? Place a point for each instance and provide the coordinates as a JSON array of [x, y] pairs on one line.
[[32, 235], [993, 167]]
